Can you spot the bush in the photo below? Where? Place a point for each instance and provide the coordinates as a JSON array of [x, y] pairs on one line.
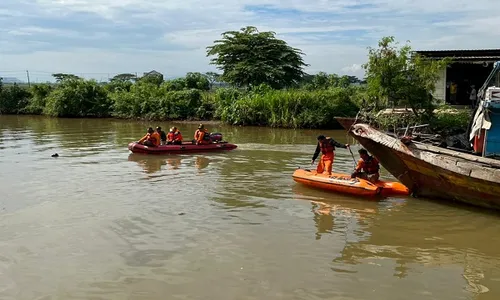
[[175, 100], [146, 100], [39, 94], [444, 120], [447, 121], [78, 98], [13, 99], [285, 108]]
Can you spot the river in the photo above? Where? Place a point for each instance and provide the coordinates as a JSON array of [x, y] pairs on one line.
[[98, 222]]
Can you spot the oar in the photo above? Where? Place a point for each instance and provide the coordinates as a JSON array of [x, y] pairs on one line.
[[352, 154]]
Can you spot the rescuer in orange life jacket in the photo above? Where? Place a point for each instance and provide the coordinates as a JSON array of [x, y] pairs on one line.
[[327, 147], [202, 136], [174, 137], [368, 167], [163, 135], [152, 138]]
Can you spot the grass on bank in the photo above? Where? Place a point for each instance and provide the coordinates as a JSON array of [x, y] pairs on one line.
[[288, 108]]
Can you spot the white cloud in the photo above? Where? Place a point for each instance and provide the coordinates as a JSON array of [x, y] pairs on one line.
[[98, 37], [354, 69]]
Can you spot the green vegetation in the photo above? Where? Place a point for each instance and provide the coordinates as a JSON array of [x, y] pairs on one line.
[[397, 77], [266, 86]]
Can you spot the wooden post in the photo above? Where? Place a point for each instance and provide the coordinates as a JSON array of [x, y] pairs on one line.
[[28, 75]]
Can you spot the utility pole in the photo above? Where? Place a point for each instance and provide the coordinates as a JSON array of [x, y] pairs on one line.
[[28, 75]]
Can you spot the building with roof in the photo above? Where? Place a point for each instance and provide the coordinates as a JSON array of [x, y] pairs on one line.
[[468, 67]]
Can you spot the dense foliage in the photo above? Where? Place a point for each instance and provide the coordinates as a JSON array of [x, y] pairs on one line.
[[397, 76], [186, 98]]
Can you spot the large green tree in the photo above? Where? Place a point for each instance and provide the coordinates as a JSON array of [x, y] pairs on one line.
[[249, 58], [212, 78], [124, 77], [60, 77], [196, 80], [397, 76]]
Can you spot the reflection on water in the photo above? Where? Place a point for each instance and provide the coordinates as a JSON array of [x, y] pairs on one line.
[[201, 162], [154, 163], [101, 223]]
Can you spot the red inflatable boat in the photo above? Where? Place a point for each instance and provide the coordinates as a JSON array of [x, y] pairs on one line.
[[186, 147]]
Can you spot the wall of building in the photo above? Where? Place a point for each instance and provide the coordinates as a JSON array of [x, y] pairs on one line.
[[440, 91]]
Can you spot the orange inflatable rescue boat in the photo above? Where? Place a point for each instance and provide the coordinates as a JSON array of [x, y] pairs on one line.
[[343, 183]]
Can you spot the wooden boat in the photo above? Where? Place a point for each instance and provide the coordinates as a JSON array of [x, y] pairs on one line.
[[186, 147], [434, 172], [441, 173], [346, 122], [343, 183]]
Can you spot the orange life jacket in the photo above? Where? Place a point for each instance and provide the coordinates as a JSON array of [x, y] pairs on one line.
[[174, 136], [197, 133], [177, 136], [371, 165], [154, 138], [326, 147], [170, 136]]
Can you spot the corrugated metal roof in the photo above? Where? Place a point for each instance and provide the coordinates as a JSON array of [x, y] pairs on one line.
[[458, 50], [468, 57], [462, 54]]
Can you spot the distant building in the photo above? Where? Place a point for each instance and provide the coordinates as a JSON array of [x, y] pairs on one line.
[[10, 80], [468, 67]]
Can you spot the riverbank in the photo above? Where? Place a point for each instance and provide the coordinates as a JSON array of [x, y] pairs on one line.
[[262, 106]]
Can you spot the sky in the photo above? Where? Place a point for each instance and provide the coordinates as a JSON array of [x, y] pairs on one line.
[[101, 38]]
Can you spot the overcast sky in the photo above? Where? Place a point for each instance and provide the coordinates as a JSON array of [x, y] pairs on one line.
[[95, 38]]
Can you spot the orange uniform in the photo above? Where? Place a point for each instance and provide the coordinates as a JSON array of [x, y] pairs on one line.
[[370, 166], [154, 138], [327, 149], [174, 136], [202, 137], [367, 168]]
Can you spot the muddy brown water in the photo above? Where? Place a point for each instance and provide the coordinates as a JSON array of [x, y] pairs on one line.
[[101, 223]]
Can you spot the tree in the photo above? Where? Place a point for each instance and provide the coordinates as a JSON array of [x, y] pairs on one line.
[[323, 80], [396, 76], [249, 58], [212, 78], [197, 81], [63, 76], [152, 77], [124, 77]]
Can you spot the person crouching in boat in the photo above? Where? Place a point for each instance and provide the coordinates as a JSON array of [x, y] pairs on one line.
[[368, 167], [202, 136], [163, 135], [152, 138], [174, 137], [327, 147]]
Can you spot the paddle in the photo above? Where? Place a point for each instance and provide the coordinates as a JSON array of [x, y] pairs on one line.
[[353, 159]]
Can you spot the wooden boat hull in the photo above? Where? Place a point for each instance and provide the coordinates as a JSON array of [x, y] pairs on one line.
[[434, 172], [346, 122], [187, 147], [343, 183]]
